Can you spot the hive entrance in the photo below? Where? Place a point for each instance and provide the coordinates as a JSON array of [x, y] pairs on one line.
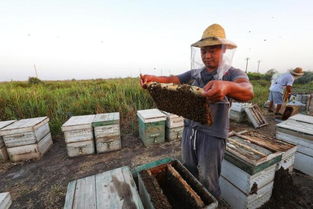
[[170, 186]]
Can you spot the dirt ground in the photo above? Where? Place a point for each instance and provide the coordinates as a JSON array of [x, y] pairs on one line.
[[41, 184]]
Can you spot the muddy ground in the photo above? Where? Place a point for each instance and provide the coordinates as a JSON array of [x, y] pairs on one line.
[[41, 184]]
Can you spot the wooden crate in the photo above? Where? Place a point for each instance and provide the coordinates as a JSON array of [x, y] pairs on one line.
[[25, 131], [237, 111], [255, 116], [3, 124], [107, 132], [239, 200], [80, 148], [172, 180], [174, 133], [5, 200], [33, 151], [113, 189], [288, 150], [78, 128], [151, 126]]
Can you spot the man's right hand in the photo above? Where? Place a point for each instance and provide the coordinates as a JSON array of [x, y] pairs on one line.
[[144, 79]]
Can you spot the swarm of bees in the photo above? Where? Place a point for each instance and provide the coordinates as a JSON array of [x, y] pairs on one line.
[[183, 100]]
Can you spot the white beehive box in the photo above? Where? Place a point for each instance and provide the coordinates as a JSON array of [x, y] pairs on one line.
[[32, 151], [151, 126], [107, 132], [298, 130], [174, 126], [3, 151], [25, 131], [109, 190], [5, 200], [80, 148], [78, 128], [237, 111]]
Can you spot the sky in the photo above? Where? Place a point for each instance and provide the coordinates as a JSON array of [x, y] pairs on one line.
[[87, 39]]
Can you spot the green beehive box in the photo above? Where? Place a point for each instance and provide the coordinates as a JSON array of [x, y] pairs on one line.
[[151, 126]]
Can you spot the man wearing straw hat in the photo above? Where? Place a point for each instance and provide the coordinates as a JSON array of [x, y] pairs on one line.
[[280, 89], [203, 146]]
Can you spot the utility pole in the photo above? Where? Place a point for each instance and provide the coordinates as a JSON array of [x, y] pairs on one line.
[[258, 66], [247, 61], [36, 71]]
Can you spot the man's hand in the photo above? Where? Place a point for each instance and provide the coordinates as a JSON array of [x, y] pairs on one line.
[[144, 79], [216, 90]]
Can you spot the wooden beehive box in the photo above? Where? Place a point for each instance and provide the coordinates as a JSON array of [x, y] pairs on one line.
[[151, 126], [237, 111], [109, 190], [25, 131], [298, 130], [3, 151], [31, 151], [171, 185], [5, 200], [174, 126], [78, 135], [181, 100], [107, 132], [247, 173]]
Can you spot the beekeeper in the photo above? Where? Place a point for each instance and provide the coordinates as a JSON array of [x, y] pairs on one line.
[[280, 88], [203, 146]]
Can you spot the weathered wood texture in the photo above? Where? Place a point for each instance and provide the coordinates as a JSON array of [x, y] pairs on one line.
[[304, 163], [174, 133], [80, 148], [246, 183], [239, 200], [255, 116], [78, 122], [151, 126], [3, 154], [78, 135], [3, 124], [33, 151], [237, 111], [113, 189], [106, 119], [298, 128], [302, 118], [173, 121], [5, 200], [108, 144]]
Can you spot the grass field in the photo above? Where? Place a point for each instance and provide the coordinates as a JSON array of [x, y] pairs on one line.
[[61, 99]]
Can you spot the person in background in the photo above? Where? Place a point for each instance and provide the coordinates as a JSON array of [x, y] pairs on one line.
[[203, 146], [279, 85]]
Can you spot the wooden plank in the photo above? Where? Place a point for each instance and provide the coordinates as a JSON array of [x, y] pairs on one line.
[[297, 126], [106, 119], [85, 193], [302, 118], [304, 163], [5, 200], [78, 122], [3, 124], [24, 125], [187, 187], [246, 147], [70, 195], [151, 115]]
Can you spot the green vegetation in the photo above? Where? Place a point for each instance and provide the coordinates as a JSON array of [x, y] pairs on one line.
[[61, 99]]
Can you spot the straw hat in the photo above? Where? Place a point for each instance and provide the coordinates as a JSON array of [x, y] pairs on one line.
[[297, 71], [214, 35]]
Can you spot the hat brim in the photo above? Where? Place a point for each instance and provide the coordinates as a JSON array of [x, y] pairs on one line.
[[216, 41], [296, 74]]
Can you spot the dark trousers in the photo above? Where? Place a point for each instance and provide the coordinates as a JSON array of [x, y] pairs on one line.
[[202, 155]]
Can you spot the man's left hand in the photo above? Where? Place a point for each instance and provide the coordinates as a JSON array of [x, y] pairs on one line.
[[216, 90]]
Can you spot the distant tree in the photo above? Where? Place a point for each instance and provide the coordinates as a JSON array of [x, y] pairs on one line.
[[34, 80], [268, 75]]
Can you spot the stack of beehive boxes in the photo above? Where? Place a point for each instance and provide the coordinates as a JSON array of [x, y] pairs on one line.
[[247, 173], [3, 150], [107, 132], [174, 126], [151, 126], [27, 138], [298, 130], [78, 135]]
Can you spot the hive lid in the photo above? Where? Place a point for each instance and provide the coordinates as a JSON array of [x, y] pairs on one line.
[[6, 123], [297, 126], [151, 115], [78, 122], [24, 125], [302, 118], [106, 119]]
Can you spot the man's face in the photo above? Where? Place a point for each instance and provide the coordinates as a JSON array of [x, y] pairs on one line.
[[212, 55]]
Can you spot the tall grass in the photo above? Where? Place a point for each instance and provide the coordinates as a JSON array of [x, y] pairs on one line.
[[61, 99]]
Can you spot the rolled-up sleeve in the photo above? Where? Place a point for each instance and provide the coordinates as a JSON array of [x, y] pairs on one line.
[[237, 73], [184, 77]]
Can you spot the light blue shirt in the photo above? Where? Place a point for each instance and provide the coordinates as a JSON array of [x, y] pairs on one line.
[[283, 80]]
